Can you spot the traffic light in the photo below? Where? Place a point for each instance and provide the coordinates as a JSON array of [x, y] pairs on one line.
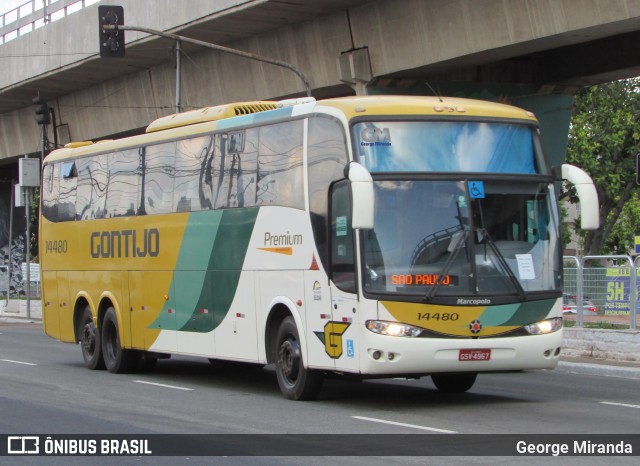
[[111, 41], [42, 111]]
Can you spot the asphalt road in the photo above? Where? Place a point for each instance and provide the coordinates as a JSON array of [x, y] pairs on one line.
[[45, 389]]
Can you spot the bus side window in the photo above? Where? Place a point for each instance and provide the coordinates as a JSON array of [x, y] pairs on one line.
[[193, 179], [158, 178], [122, 182], [327, 157], [279, 177], [91, 191], [343, 269], [50, 186], [67, 192], [234, 169]]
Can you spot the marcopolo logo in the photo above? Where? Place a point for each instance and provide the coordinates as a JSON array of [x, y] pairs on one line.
[[473, 302], [375, 137]]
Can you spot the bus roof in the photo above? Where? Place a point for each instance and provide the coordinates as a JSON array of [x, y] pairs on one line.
[[391, 105], [242, 114]]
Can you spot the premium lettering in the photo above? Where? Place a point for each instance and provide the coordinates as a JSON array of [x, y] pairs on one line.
[[125, 243], [282, 240]]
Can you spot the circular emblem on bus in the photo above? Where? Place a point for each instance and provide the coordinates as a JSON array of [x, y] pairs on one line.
[[475, 326]]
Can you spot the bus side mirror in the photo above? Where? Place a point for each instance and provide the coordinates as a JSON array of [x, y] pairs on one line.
[[362, 196], [589, 212]]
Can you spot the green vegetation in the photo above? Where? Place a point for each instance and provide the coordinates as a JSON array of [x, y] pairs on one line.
[[603, 140]]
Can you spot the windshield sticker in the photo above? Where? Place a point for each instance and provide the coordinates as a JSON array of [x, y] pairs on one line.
[[525, 267], [370, 137], [476, 189]]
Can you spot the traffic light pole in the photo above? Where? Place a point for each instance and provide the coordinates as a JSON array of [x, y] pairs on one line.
[[251, 56]]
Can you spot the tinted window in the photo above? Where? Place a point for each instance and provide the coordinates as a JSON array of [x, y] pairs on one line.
[[157, 195], [327, 155], [280, 165], [67, 191], [50, 188], [122, 183], [92, 184], [193, 182], [343, 270]]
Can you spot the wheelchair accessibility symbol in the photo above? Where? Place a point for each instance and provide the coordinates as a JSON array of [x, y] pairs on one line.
[[476, 189]]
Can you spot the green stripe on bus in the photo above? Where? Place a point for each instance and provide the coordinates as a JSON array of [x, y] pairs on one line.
[[517, 314], [208, 269]]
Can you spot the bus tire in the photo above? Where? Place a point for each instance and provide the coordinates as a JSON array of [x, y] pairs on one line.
[[295, 382], [457, 382], [117, 359], [90, 341]]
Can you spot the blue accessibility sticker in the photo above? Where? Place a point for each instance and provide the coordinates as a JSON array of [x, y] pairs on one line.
[[351, 352], [476, 189]]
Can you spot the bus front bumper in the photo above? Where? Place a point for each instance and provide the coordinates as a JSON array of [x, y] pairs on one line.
[[388, 355]]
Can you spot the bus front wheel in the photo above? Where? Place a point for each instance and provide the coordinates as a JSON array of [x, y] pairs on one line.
[[117, 359], [89, 337], [458, 382], [295, 381]]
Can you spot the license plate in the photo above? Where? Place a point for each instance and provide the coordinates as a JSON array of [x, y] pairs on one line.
[[474, 355]]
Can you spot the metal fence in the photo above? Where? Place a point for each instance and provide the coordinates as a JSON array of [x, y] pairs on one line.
[[601, 289]]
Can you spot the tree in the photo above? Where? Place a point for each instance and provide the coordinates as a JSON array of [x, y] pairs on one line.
[[604, 139]]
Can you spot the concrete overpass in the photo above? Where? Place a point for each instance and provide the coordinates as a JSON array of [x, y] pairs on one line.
[[533, 53]]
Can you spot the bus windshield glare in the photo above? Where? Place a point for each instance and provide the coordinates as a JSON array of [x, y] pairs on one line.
[[442, 146]]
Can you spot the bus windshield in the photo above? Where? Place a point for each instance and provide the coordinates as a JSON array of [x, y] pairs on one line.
[[446, 146], [434, 239]]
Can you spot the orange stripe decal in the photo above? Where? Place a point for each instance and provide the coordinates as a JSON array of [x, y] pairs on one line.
[[287, 251]]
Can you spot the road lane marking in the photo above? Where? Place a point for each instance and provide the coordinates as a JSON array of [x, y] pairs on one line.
[[19, 362], [402, 424], [625, 405], [164, 385]]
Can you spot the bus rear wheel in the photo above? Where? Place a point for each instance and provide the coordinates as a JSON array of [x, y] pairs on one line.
[[457, 382], [295, 381], [90, 341], [117, 359]]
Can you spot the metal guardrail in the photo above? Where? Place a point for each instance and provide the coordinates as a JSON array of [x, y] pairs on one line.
[[608, 283], [34, 14]]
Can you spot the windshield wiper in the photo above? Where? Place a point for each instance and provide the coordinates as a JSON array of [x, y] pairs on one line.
[[501, 261], [447, 265]]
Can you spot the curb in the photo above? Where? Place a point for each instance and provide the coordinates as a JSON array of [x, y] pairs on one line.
[[601, 368]]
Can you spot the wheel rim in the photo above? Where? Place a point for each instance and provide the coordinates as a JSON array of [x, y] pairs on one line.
[[289, 359], [89, 338]]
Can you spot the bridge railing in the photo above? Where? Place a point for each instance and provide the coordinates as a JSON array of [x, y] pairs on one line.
[[33, 14]]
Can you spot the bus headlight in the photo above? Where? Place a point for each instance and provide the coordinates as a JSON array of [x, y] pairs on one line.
[[394, 329], [544, 326]]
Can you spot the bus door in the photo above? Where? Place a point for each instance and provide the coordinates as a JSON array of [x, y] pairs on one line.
[[343, 336]]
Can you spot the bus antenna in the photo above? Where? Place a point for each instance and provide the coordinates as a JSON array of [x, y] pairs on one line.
[[434, 91]]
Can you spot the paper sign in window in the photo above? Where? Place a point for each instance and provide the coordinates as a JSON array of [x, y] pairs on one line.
[[525, 267]]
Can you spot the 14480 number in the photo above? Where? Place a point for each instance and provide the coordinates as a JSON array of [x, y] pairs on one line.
[[438, 316], [56, 247]]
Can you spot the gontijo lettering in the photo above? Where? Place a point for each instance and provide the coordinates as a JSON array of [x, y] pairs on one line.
[[125, 243]]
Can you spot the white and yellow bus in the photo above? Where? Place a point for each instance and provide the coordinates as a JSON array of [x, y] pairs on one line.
[[364, 236]]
